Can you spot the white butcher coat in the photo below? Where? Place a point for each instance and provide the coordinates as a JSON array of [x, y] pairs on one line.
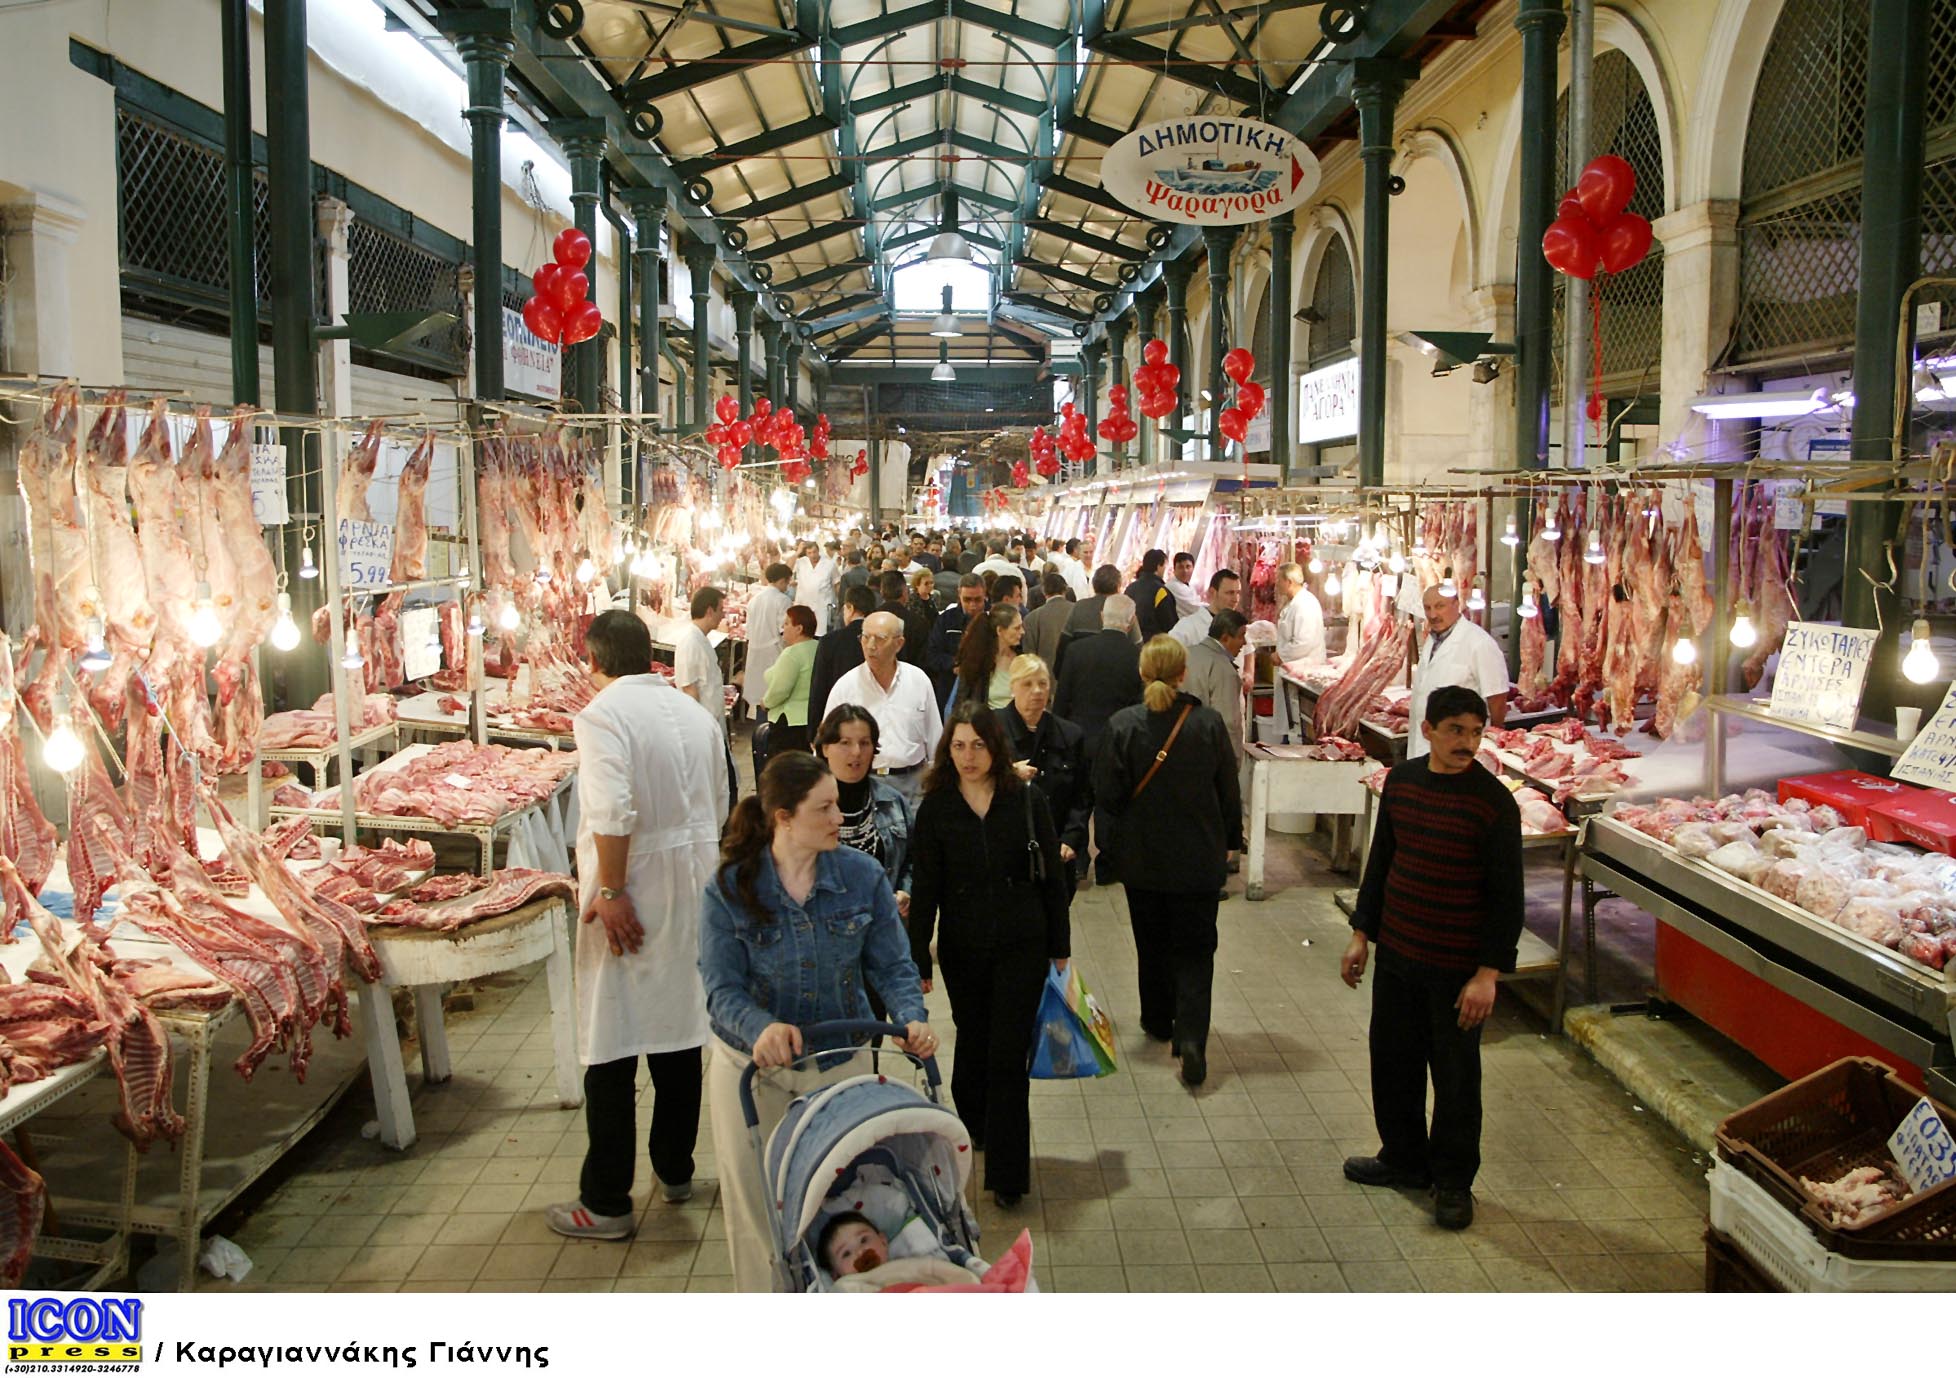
[[815, 588], [766, 610], [1468, 657], [1300, 629], [651, 767]]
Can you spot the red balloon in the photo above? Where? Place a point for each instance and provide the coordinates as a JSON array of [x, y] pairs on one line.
[[1233, 423], [1594, 406], [1117, 394], [1239, 364], [729, 456], [1571, 204], [1605, 187], [1067, 409], [543, 319], [545, 280], [1155, 351], [741, 433], [1157, 404], [1143, 378], [583, 323], [1169, 376], [1571, 247], [726, 408], [761, 408], [572, 288], [716, 434], [572, 248], [1250, 399], [1625, 242]]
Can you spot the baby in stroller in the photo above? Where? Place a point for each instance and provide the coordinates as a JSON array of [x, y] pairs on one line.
[[851, 1247]]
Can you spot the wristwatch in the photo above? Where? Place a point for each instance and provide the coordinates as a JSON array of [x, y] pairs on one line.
[[605, 892]]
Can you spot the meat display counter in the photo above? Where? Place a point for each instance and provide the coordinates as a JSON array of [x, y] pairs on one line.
[[1790, 987]]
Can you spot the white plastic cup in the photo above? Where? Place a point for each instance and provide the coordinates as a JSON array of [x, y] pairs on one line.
[[1908, 721]]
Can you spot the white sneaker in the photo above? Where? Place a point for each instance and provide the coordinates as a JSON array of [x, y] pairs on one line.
[[675, 1192], [572, 1220]]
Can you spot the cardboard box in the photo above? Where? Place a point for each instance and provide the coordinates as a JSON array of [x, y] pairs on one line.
[[1852, 793], [1926, 818]]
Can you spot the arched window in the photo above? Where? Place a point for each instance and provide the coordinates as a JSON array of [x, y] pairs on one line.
[[1800, 199], [1334, 307], [1623, 121]]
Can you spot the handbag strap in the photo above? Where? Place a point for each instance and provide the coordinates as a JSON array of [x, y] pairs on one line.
[[1162, 755]]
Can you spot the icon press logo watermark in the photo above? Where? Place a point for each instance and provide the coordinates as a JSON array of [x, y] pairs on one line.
[[84, 1330]]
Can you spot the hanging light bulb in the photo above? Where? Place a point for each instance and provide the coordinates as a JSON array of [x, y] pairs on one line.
[[1419, 547], [352, 660], [307, 569], [462, 575], [285, 632], [1920, 664], [1550, 531], [1510, 536], [1477, 601], [543, 575], [1744, 634], [205, 629], [1684, 651], [476, 626], [1528, 608], [1332, 586], [1449, 589], [509, 619], [1594, 555], [1397, 563], [95, 657], [63, 749], [1316, 566], [586, 571]]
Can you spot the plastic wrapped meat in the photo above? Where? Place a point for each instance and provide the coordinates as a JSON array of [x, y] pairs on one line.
[[1853, 839], [1783, 878], [1825, 817], [1741, 859], [1731, 831], [1875, 920], [1784, 842], [1822, 893], [1695, 839]]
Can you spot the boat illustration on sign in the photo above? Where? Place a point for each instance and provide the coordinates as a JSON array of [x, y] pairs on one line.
[[1214, 177], [1209, 170]]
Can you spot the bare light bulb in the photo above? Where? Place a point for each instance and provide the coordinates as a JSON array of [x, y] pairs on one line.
[[1397, 564], [1594, 555], [1419, 547], [1316, 566], [307, 569], [352, 660], [1528, 608], [1550, 531], [205, 629], [543, 576], [1510, 536], [285, 632], [95, 656], [1449, 589], [476, 626], [1920, 664], [1332, 586], [1744, 634], [1684, 651], [63, 749], [509, 619], [1476, 601], [586, 571], [462, 575]]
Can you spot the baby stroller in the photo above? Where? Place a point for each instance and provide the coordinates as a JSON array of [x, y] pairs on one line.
[[868, 1140]]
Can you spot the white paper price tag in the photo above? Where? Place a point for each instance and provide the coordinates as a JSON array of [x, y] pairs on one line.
[[420, 643], [268, 485], [366, 553], [1923, 1149], [458, 781]]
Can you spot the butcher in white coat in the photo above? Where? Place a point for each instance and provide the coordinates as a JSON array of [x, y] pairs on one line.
[[766, 611], [651, 794], [815, 579], [1459, 652], [1300, 633]]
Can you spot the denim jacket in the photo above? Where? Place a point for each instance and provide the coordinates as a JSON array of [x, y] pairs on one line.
[[895, 821], [802, 964]]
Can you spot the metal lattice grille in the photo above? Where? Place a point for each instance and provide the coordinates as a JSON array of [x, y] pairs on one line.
[[1260, 336], [1622, 121], [386, 273], [1800, 212], [1334, 307], [175, 252]]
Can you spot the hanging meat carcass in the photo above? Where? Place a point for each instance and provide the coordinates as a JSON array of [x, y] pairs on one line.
[[357, 469], [1763, 557], [25, 833], [1689, 611], [130, 622], [57, 544], [175, 668], [248, 620]]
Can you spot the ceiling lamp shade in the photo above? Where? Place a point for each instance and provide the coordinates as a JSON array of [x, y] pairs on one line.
[[946, 327], [943, 373], [949, 246]]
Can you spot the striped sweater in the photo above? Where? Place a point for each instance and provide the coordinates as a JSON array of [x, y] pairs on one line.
[[1443, 883]]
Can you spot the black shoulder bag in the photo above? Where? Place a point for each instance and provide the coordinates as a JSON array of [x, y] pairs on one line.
[[1035, 855]]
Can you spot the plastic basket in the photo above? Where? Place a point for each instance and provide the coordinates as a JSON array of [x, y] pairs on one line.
[[1825, 1125], [1727, 1269], [1782, 1247]]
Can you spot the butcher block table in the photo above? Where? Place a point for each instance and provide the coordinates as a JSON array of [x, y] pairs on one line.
[[109, 1256], [320, 760], [1280, 783]]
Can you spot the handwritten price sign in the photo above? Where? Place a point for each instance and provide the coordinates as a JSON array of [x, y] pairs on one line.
[[268, 485], [366, 553], [1821, 671], [1923, 1149]]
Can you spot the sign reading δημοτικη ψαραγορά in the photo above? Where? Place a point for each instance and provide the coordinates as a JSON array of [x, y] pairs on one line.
[[1210, 170]]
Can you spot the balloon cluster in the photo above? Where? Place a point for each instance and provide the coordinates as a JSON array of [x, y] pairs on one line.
[[560, 313], [1074, 442], [1234, 422], [1020, 477], [1593, 233], [1045, 456], [1118, 426], [1157, 380], [779, 430]]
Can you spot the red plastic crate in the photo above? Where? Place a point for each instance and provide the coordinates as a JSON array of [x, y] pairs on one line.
[[1852, 793], [1926, 818]]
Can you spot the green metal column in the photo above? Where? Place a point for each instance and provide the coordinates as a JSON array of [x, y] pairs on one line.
[[743, 305], [235, 40], [1146, 307], [775, 383], [700, 257], [1118, 330], [648, 206], [1176, 274], [791, 368], [627, 260], [1891, 259], [1220, 241], [1282, 231], [485, 43], [1376, 88], [1540, 23], [1090, 357], [583, 143], [874, 445]]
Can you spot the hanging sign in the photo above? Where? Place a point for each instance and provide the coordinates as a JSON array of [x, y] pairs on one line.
[[1923, 1149], [1210, 170], [531, 365], [1931, 757], [366, 553], [1821, 671], [1327, 403], [268, 485]]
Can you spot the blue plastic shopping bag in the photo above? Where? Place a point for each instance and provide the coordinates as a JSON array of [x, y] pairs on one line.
[[1073, 1037]]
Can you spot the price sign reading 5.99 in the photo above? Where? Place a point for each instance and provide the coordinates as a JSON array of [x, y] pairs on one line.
[[1923, 1149], [366, 553]]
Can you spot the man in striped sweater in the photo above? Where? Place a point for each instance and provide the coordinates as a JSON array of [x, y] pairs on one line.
[[1443, 900]]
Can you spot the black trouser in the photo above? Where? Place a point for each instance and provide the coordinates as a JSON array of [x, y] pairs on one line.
[[1416, 1029], [783, 737], [611, 1124], [1175, 950], [994, 1005]]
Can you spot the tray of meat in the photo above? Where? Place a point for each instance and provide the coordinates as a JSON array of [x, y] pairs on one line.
[[1820, 1147], [1851, 792], [1925, 817]]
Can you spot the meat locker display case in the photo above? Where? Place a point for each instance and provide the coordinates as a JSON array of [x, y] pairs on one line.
[[1794, 990]]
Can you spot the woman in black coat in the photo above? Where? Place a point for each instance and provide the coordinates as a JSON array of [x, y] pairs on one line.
[[1050, 752], [1167, 771], [987, 877]]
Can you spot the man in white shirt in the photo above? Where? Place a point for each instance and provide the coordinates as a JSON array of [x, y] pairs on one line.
[[1225, 592], [650, 801], [765, 611], [695, 664], [996, 563], [1456, 652], [1182, 570], [814, 580], [1300, 635], [901, 699], [1074, 571]]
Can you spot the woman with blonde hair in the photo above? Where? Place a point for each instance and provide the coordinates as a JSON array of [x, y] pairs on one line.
[[1050, 752], [1167, 772]]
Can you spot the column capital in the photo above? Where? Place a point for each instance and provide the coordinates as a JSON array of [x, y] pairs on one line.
[[1543, 15], [1176, 274], [700, 257], [481, 35], [580, 139], [1381, 80], [332, 218], [743, 306], [1695, 226], [648, 206]]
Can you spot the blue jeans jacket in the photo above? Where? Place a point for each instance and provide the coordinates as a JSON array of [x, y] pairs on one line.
[[894, 824], [802, 964]]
